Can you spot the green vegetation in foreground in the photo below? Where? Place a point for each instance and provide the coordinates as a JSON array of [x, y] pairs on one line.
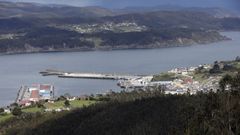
[[144, 113], [4, 117]]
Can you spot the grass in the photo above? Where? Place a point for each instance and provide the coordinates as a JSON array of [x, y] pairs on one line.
[[32, 110], [200, 76], [203, 75], [55, 105], [164, 77], [73, 104], [237, 65], [4, 117], [81, 103]]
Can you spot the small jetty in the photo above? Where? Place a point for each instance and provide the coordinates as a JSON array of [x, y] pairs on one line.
[[62, 74]]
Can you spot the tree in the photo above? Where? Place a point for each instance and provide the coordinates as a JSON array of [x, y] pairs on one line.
[[1, 110], [228, 67], [235, 84], [61, 98], [225, 81], [40, 105], [67, 95], [14, 105], [215, 69], [17, 111], [237, 59], [67, 103]]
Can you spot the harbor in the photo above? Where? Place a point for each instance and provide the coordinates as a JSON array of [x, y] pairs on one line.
[[175, 81]]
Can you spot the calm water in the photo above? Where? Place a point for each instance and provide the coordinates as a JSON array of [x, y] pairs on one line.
[[16, 70]]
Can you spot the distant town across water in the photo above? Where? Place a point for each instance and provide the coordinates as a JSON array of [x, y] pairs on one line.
[[23, 69]]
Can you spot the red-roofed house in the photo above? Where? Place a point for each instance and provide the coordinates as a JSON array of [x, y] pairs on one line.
[[45, 87], [188, 81], [34, 96]]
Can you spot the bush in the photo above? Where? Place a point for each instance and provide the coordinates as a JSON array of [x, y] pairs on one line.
[[17, 111], [215, 69], [1, 110], [237, 59], [67, 103]]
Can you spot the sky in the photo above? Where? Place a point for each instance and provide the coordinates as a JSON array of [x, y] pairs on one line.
[[230, 4]]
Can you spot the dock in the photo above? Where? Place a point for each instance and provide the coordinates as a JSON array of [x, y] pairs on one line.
[[62, 74]]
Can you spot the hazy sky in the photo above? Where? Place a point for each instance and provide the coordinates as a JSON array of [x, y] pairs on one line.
[[126, 3]]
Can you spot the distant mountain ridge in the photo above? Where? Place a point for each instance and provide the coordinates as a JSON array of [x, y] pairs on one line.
[[214, 11], [21, 9], [10, 9]]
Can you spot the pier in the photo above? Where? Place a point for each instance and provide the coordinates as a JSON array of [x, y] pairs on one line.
[[62, 74]]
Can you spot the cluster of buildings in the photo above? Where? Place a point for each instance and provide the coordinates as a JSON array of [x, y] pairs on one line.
[[141, 82], [109, 26], [182, 71], [180, 85], [35, 93], [186, 71]]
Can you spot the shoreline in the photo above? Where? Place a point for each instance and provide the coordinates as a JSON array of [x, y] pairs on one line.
[[119, 48]]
